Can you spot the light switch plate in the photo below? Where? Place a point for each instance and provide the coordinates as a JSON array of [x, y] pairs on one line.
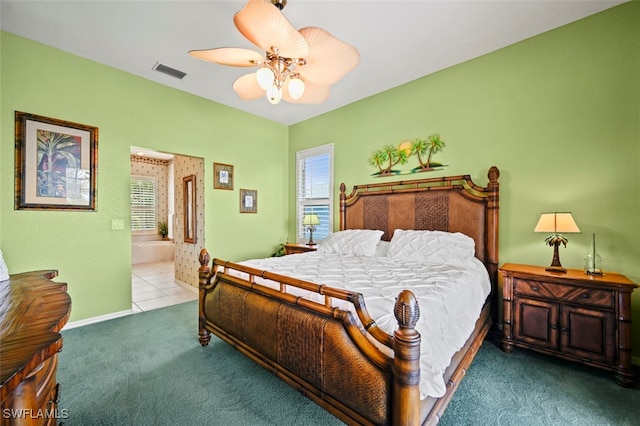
[[117, 223]]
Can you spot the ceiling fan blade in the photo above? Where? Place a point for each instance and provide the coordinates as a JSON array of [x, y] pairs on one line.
[[247, 87], [313, 93], [265, 26], [232, 56], [329, 59]]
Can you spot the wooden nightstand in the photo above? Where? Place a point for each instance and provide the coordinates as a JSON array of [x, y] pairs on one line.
[[291, 248], [574, 316]]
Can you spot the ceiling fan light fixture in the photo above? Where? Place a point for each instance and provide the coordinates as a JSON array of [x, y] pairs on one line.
[[296, 88], [274, 94], [298, 65], [265, 77]]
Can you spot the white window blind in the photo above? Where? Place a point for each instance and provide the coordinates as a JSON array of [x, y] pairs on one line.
[[315, 190], [143, 203]]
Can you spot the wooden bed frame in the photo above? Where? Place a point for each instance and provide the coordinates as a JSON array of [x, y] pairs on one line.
[[326, 352]]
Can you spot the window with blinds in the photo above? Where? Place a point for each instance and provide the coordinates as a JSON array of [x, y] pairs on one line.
[[315, 190], [143, 203]]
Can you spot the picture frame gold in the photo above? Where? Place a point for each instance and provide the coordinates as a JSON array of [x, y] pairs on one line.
[[56, 164], [248, 201], [223, 176]]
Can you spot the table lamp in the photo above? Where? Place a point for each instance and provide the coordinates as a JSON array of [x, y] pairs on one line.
[[311, 220], [558, 223]]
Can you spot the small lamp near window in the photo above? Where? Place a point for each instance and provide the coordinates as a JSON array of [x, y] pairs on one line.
[[310, 221], [558, 223]]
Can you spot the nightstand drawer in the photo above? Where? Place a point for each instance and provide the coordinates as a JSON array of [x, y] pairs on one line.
[[566, 293]]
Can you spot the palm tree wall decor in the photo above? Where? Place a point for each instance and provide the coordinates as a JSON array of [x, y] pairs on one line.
[[389, 156], [431, 146]]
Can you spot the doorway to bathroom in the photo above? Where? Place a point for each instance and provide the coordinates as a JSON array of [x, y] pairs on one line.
[[162, 263]]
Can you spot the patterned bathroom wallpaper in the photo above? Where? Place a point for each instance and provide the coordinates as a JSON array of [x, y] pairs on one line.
[[141, 166], [186, 257]]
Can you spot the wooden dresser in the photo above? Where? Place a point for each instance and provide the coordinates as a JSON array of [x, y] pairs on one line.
[[571, 315], [33, 309]]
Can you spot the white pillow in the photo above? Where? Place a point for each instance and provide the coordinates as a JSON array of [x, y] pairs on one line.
[[433, 247], [382, 248], [357, 242]]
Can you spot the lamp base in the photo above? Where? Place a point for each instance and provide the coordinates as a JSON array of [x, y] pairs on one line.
[[556, 266]]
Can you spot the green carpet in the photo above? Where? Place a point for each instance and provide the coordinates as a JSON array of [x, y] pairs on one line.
[[527, 388], [149, 369]]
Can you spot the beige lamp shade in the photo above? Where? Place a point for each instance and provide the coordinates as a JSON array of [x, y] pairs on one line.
[[557, 223], [311, 219]]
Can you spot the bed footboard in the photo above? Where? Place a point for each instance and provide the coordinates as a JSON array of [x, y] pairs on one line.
[[324, 352]]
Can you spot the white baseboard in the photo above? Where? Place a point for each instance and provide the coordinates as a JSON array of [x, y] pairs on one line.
[[97, 319]]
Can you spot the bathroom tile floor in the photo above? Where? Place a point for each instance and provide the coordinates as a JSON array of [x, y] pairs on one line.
[[153, 287]]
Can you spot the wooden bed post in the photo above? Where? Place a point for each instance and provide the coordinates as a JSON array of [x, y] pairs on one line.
[[203, 280], [493, 202], [406, 362], [343, 206]]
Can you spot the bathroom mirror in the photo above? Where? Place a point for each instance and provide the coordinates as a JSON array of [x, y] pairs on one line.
[[189, 197]]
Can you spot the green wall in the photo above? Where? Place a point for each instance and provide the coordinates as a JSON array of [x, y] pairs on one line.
[[557, 113], [93, 259]]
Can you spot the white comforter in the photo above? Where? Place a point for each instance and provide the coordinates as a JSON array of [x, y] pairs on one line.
[[450, 298]]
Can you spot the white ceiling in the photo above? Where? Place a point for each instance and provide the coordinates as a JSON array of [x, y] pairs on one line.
[[398, 41]]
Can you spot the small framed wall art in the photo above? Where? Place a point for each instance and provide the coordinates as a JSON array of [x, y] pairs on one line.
[[248, 201], [222, 176], [56, 164]]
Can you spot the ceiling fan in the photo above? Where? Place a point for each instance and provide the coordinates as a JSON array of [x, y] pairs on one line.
[[298, 66]]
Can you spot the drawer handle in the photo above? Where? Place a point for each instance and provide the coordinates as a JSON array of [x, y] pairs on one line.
[[535, 288], [585, 295]]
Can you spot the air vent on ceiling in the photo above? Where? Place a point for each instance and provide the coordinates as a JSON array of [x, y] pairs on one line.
[[165, 69]]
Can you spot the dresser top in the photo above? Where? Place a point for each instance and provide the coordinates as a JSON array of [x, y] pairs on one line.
[[578, 275]]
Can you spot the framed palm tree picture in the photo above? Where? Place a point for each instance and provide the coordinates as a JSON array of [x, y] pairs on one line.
[[56, 164]]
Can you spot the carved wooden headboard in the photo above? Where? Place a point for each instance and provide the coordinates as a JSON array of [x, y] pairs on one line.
[[451, 203]]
